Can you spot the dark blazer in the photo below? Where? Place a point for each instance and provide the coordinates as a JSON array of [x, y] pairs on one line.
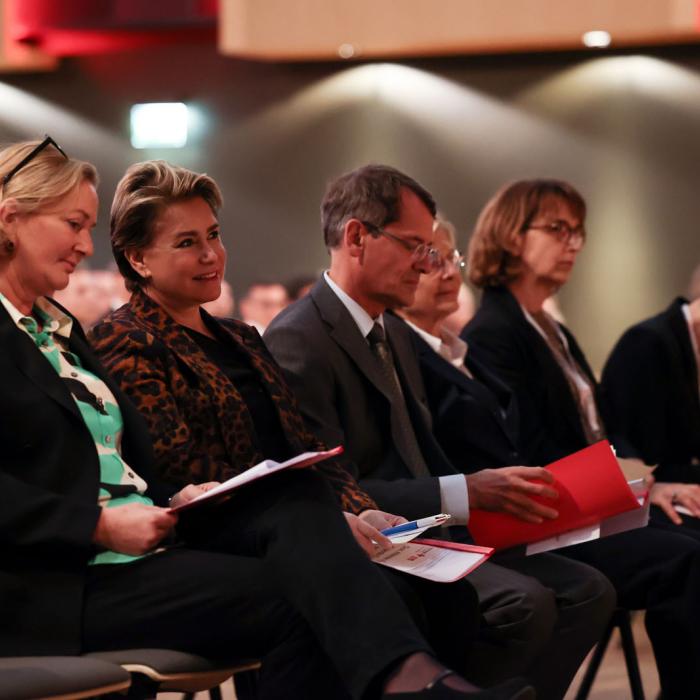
[[501, 338], [345, 398], [199, 423], [651, 386], [475, 420], [49, 474]]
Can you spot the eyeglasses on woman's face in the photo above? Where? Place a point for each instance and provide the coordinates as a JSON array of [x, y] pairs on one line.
[[563, 231], [454, 260]]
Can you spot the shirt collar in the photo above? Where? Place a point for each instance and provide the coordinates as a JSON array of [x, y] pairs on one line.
[[448, 345], [52, 318], [555, 324], [363, 320]]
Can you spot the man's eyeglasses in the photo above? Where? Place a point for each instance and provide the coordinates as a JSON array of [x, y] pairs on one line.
[[48, 141], [574, 236], [420, 252]]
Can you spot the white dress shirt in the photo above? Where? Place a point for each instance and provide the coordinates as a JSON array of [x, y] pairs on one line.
[[454, 496]]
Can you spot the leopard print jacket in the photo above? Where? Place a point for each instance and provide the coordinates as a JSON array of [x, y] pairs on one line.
[[198, 421]]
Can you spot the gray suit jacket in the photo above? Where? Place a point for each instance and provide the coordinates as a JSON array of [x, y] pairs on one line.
[[345, 398]]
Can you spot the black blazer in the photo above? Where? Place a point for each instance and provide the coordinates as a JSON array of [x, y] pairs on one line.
[[49, 474], [651, 386], [501, 338], [345, 398], [474, 420]]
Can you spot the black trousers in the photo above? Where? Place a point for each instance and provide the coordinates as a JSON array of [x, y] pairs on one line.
[[690, 526], [273, 573], [657, 571], [447, 616], [543, 614]]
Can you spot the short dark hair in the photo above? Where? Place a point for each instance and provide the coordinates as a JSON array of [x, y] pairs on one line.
[[296, 284], [371, 193], [142, 194], [262, 282]]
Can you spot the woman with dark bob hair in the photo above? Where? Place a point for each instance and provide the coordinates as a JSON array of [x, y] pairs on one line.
[[216, 403], [523, 249]]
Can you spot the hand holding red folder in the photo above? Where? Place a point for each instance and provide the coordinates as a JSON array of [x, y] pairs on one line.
[[591, 488], [512, 490]]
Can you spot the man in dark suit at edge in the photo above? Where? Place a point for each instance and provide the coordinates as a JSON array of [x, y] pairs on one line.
[[357, 378]]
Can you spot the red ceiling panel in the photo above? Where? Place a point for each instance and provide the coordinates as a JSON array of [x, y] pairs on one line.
[[73, 27]]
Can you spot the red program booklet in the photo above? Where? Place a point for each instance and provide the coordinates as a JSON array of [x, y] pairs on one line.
[[592, 489]]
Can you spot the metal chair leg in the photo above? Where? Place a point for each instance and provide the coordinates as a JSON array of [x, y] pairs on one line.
[[142, 688], [594, 663], [246, 684], [630, 653]]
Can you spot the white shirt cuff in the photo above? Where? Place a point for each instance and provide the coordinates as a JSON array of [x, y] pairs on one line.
[[454, 498]]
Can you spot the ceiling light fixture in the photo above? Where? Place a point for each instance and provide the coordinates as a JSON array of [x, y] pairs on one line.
[[597, 39], [346, 51], [159, 125]]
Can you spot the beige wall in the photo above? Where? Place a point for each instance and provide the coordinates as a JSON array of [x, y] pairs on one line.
[[625, 129]]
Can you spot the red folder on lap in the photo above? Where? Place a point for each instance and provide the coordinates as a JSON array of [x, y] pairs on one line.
[[591, 488]]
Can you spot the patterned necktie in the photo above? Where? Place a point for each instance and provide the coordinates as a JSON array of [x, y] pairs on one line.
[[401, 427]]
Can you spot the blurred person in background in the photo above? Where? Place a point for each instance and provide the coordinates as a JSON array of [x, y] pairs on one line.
[[300, 286], [261, 302], [87, 296], [114, 282], [224, 305]]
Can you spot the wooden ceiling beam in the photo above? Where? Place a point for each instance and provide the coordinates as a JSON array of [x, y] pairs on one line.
[[316, 29]]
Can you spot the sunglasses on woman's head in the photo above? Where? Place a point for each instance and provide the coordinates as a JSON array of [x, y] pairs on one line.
[[48, 141]]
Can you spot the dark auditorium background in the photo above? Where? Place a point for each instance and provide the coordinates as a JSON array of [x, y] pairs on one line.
[[622, 124]]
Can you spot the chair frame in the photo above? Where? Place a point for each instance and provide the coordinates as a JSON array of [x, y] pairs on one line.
[[620, 619]]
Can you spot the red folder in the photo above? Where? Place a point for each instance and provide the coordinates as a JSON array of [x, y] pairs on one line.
[[591, 487]]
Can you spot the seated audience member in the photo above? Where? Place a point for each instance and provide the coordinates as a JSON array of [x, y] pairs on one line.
[[215, 404], [650, 383], [475, 417], [223, 306], [261, 302], [119, 294], [92, 294], [300, 286], [693, 291], [466, 304], [523, 249], [358, 381], [86, 297]]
